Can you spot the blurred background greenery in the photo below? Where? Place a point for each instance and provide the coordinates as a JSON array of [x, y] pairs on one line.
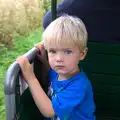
[[15, 39]]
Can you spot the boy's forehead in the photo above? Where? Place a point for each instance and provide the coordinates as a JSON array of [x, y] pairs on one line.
[[61, 46]]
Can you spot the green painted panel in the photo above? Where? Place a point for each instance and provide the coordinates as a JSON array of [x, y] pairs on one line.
[[107, 104], [29, 110], [94, 67], [104, 79], [106, 89], [102, 65], [103, 58], [104, 48]]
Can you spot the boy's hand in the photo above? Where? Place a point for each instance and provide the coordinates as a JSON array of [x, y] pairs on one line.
[[42, 54], [26, 68], [42, 51]]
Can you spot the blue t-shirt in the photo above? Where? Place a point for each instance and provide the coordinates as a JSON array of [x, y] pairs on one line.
[[72, 99]]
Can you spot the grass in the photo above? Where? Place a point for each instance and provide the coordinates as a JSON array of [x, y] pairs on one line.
[[7, 56]]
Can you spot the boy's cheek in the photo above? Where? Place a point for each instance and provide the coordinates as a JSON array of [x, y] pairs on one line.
[[51, 62]]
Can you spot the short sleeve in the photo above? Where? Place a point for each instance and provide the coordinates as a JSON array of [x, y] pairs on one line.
[[65, 101]]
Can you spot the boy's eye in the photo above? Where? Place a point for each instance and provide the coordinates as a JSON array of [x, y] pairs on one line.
[[52, 51], [68, 51]]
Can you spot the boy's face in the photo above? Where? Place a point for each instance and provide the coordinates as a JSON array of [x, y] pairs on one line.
[[64, 60]]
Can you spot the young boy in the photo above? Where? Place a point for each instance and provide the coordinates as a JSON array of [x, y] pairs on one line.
[[70, 95]]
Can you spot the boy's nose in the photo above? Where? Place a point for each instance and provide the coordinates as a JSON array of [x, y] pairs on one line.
[[59, 58]]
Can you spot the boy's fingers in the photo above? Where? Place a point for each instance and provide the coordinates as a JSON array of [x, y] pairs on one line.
[[39, 45], [41, 48], [22, 60]]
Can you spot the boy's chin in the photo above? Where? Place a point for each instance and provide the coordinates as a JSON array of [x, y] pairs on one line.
[[61, 72]]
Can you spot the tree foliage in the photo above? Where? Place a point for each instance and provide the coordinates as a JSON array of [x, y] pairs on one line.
[[47, 4], [18, 17]]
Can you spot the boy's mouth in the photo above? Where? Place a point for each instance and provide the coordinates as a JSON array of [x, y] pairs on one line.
[[59, 66]]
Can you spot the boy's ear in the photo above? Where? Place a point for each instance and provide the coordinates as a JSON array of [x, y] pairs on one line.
[[83, 53]]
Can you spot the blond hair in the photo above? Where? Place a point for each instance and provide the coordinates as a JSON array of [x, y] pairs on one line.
[[65, 30]]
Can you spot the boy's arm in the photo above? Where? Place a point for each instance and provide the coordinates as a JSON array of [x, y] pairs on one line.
[[42, 101]]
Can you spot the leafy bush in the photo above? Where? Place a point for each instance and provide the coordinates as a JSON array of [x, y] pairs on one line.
[[47, 4], [18, 17]]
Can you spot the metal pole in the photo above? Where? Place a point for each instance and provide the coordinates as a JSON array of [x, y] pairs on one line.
[[53, 9]]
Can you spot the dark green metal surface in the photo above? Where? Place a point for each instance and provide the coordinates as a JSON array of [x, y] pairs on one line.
[[53, 9], [102, 66]]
